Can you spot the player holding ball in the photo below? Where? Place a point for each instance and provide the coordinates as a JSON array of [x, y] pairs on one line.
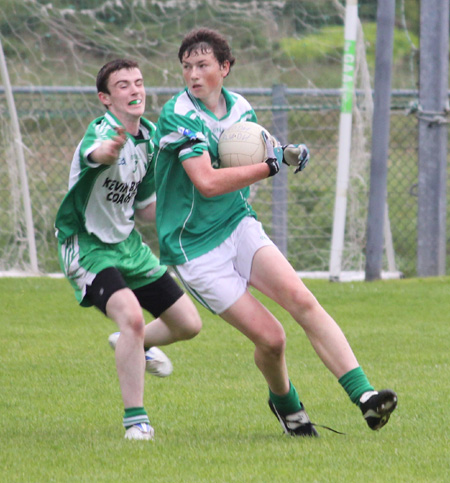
[[209, 233]]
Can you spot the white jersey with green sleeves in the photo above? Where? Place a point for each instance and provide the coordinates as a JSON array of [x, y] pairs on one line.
[[102, 198], [190, 224]]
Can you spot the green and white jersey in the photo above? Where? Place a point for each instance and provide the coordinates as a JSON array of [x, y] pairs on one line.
[[102, 198], [188, 223]]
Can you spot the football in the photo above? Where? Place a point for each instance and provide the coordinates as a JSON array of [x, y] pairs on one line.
[[242, 144]]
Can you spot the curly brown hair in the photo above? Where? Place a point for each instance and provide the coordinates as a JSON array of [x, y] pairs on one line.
[[205, 40]]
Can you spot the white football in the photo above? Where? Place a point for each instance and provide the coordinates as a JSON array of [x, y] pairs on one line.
[[242, 144]]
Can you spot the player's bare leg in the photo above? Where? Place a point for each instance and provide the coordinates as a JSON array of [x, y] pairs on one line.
[[125, 310], [179, 322], [250, 317], [273, 275], [253, 319]]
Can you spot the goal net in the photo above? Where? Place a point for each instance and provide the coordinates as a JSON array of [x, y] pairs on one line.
[[54, 50]]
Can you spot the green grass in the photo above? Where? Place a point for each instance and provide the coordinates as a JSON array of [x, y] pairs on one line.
[[60, 406], [329, 40]]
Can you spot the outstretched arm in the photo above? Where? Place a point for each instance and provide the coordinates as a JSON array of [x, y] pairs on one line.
[[108, 152]]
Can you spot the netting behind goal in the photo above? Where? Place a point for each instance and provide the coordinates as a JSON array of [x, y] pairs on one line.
[[54, 51]]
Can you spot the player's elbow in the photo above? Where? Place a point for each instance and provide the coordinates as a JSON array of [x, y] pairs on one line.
[[207, 188]]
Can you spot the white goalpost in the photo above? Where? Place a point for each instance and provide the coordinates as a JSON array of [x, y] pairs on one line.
[[344, 157], [345, 138], [19, 155]]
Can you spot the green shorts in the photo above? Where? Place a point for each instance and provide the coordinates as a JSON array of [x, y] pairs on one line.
[[83, 256]]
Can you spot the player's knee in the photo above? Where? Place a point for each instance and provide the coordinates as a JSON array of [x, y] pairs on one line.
[[191, 326], [137, 326], [132, 323], [194, 326], [274, 344], [278, 345]]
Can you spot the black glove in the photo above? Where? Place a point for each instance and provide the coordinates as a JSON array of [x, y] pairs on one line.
[[271, 159]]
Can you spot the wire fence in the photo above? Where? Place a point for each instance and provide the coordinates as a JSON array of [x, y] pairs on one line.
[[53, 120]]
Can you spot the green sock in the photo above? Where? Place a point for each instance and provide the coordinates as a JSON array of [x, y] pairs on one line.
[[287, 404], [134, 416], [355, 383]]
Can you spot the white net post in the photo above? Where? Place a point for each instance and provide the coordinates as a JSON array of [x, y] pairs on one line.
[[19, 155], [345, 135]]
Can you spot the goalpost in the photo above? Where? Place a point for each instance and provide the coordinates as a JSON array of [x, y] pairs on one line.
[[345, 138], [345, 151], [19, 155]]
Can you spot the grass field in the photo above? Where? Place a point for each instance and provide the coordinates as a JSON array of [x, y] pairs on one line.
[[60, 406]]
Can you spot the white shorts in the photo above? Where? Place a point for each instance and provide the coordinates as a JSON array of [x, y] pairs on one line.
[[220, 277]]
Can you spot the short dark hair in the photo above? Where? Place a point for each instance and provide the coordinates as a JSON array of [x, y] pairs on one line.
[[204, 40], [110, 67]]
